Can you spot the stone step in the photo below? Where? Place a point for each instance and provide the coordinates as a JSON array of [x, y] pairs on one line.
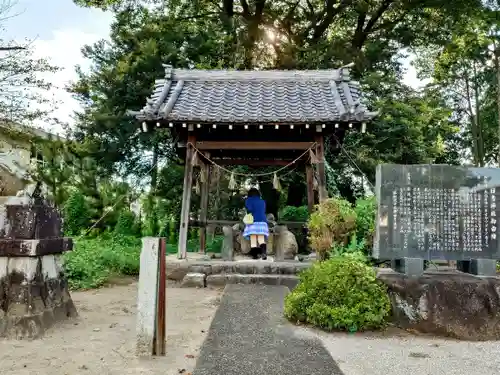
[[200, 280], [178, 269]]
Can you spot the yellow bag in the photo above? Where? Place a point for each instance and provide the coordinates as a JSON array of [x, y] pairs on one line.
[[248, 219]]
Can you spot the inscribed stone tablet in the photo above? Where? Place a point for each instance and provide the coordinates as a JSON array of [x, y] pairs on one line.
[[437, 212]]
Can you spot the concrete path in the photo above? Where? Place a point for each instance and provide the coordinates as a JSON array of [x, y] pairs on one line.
[[249, 336]]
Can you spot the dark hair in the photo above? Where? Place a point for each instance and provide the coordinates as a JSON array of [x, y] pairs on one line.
[[253, 192]]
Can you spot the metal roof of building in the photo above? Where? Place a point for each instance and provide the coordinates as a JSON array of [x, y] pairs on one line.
[[272, 96]]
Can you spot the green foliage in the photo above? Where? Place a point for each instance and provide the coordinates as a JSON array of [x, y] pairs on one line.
[[75, 214], [354, 249], [333, 221], [291, 213], [366, 209], [94, 260], [127, 224], [412, 127], [339, 294], [215, 246]]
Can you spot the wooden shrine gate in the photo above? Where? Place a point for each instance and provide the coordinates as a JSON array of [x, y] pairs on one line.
[[254, 118]]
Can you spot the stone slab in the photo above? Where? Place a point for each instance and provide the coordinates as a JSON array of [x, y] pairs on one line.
[[250, 336], [33, 248], [437, 212], [194, 280]]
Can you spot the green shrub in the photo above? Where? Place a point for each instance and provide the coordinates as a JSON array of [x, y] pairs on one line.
[[333, 221], [127, 224], [215, 246], [366, 209], [94, 260], [339, 294], [291, 213], [355, 249], [76, 214]]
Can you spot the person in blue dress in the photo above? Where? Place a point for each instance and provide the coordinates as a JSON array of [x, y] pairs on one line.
[[258, 231]]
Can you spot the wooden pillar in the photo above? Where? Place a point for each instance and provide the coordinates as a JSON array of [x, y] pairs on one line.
[[205, 190], [310, 187], [320, 154], [186, 198]]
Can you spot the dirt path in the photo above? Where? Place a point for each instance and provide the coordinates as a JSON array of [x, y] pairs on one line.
[[102, 340]]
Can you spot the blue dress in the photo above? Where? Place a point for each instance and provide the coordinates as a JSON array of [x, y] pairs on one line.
[[257, 207]]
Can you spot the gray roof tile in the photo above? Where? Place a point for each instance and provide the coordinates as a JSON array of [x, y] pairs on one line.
[[219, 96]]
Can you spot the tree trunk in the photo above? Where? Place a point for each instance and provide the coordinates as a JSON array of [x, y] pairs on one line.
[[475, 151], [480, 140], [497, 71]]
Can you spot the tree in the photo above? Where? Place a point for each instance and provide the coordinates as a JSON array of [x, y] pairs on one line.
[[463, 72], [413, 127], [23, 88]]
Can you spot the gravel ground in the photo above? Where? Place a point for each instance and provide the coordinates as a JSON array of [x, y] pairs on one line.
[[400, 353], [102, 340]]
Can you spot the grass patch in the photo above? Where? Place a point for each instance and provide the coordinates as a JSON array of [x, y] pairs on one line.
[[95, 260]]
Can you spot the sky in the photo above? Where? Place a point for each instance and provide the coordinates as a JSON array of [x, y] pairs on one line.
[[60, 29]]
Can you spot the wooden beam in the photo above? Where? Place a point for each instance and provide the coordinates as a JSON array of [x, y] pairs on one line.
[[216, 145], [199, 223], [320, 154], [186, 199], [252, 162], [310, 187]]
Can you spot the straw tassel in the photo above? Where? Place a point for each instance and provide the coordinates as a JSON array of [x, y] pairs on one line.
[[232, 182], [315, 184], [313, 157], [276, 182]]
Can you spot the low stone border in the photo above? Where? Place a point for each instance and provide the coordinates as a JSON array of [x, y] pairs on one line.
[[201, 280], [179, 269]]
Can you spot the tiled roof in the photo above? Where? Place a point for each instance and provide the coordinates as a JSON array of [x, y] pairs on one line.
[[223, 96]]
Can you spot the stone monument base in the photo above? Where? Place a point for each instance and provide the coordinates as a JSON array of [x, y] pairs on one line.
[[34, 292], [445, 303]]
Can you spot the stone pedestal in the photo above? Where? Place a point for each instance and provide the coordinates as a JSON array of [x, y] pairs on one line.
[[227, 251], [445, 303], [285, 244], [33, 289]]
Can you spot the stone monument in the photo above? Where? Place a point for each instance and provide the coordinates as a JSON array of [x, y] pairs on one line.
[[33, 289], [438, 212]]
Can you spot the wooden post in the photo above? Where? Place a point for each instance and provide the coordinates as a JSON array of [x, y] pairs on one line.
[[310, 187], [186, 199], [205, 189], [320, 154], [161, 307]]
